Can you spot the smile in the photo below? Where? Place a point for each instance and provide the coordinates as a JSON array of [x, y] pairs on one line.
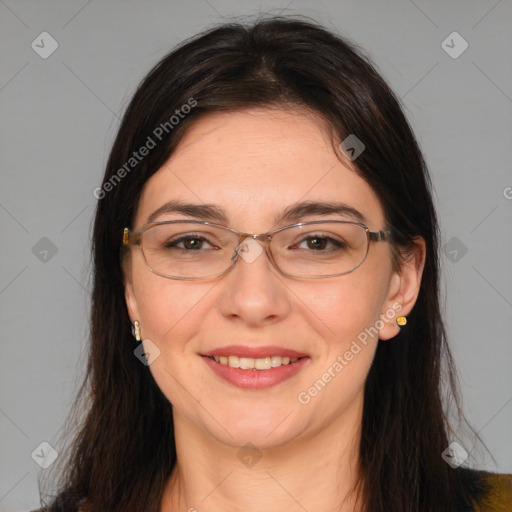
[[255, 373], [250, 363]]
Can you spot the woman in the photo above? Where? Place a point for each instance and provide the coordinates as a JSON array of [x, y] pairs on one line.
[[266, 331]]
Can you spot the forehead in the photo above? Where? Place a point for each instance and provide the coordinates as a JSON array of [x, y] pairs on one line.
[[255, 163]]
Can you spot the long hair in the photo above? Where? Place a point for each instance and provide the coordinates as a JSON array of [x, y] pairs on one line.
[[123, 451]]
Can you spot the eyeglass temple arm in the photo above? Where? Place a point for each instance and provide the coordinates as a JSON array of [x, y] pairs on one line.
[[130, 237], [381, 235]]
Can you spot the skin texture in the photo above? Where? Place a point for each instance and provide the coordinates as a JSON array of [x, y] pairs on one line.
[[254, 163]]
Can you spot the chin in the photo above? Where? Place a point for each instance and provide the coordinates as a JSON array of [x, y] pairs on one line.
[[263, 429]]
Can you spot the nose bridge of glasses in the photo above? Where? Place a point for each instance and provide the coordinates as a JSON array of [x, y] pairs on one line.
[[250, 246], [244, 237], [260, 237]]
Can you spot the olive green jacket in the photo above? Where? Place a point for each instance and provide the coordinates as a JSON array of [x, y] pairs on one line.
[[499, 497]]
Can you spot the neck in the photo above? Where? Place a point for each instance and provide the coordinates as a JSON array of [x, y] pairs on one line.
[[317, 471]]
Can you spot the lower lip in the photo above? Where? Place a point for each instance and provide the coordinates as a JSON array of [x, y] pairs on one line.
[[256, 379]]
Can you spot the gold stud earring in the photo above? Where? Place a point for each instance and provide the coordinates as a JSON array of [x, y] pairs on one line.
[[401, 321], [136, 330]]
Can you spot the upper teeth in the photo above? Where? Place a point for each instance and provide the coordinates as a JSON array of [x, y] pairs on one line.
[[250, 363]]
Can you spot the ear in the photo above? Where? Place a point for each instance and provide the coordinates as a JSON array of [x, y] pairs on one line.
[[131, 301], [404, 288]]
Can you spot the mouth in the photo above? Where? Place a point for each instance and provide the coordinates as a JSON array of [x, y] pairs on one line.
[[255, 368], [251, 363]]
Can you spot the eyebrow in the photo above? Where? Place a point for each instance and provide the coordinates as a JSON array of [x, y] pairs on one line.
[[292, 213]]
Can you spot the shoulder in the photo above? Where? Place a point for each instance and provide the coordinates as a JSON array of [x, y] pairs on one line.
[[498, 492], [499, 498]]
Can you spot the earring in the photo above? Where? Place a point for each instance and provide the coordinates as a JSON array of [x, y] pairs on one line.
[[401, 321], [136, 330]]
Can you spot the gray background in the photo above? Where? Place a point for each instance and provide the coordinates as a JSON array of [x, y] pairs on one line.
[[59, 117]]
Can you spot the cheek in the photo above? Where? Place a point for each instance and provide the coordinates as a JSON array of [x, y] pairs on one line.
[[171, 315], [169, 309], [345, 308], [349, 311]]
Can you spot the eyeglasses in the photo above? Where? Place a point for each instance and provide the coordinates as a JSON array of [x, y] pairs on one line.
[[193, 249]]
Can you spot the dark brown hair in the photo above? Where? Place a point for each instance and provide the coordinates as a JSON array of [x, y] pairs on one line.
[[123, 451]]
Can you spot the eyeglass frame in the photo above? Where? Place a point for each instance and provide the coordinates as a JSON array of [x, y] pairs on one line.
[[134, 237]]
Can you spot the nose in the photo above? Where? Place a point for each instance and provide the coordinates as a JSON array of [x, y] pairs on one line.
[[254, 291]]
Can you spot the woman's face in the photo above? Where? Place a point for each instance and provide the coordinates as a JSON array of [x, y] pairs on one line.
[[254, 164]]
